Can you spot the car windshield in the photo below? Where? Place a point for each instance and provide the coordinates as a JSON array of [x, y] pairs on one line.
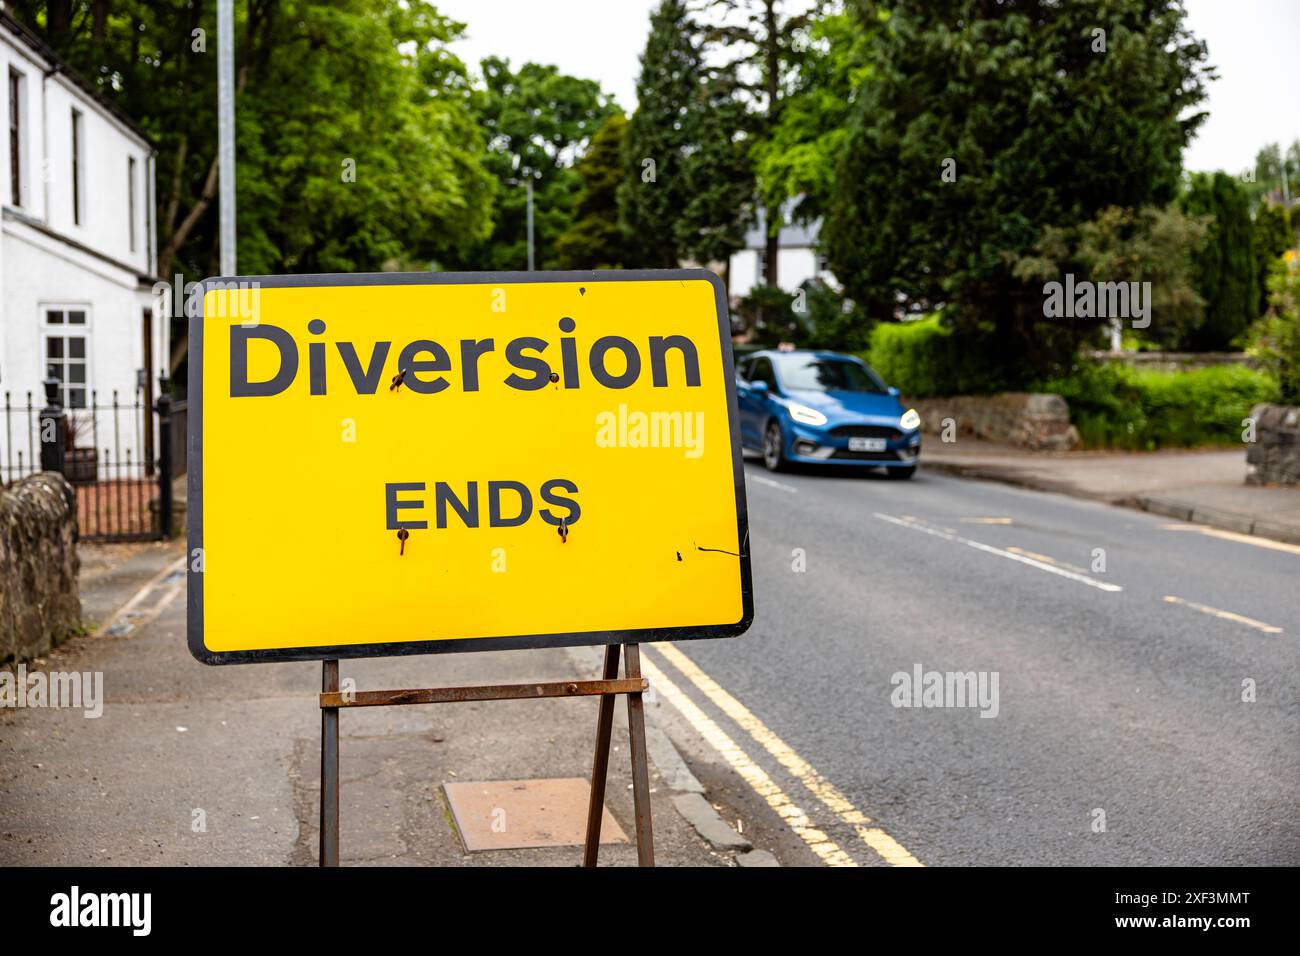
[[808, 373]]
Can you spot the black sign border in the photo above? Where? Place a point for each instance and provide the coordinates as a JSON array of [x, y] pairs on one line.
[[194, 439]]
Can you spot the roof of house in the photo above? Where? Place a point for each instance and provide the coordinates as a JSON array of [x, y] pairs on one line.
[[58, 65]]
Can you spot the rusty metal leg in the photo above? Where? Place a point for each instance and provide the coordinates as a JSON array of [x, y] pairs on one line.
[[329, 770], [645, 840], [600, 764]]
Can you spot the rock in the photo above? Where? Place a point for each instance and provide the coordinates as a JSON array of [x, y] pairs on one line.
[[1273, 458]]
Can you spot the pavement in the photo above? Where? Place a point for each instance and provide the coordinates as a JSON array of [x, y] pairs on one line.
[[1207, 487], [195, 765]]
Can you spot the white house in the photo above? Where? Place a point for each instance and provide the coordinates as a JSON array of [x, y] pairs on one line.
[[77, 237], [797, 259]]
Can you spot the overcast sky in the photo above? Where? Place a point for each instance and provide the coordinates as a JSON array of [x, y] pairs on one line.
[[1254, 43]]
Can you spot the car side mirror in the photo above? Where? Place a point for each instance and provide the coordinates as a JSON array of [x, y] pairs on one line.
[[894, 393], [759, 387]]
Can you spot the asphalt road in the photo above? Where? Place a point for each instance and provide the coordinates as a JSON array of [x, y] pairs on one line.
[[1111, 696]]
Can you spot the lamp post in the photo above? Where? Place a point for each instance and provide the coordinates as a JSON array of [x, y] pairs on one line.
[[522, 170], [529, 183], [226, 131]]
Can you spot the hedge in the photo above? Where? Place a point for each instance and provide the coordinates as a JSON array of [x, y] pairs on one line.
[[1116, 406], [923, 358], [1112, 405]]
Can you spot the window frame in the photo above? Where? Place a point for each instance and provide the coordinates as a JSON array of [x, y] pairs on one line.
[[78, 164], [16, 91], [130, 200], [61, 330]]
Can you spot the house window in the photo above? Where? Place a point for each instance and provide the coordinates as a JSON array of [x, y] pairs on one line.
[[15, 137], [76, 167], [130, 199], [67, 353]]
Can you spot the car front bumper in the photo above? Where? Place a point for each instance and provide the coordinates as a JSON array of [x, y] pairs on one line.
[[829, 445]]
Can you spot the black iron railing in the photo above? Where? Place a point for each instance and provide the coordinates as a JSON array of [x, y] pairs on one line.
[[122, 494]]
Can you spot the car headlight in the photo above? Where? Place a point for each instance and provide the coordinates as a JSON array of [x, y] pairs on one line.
[[911, 419], [805, 415]]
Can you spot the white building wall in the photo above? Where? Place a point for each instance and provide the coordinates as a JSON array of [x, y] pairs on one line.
[[743, 272], [795, 265], [104, 200], [16, 56], [40, 275], [48, 260]]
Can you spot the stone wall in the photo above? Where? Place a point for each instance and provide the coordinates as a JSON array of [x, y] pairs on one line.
[[1274, 456], [39, 605], [1037, 421], [1177, 361]]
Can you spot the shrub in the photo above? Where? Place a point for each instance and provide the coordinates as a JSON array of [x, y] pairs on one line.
[[1115, 406], [1275, 339], [925, 357]]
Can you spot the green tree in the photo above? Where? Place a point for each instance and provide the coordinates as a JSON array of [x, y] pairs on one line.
[[1273, 236], [654, 193], [355, 143], [980, 126], [1276, 174], [595, 239], [1227, 277], [765, 39], [537, 121], [796, 160], [1154, 244], [717, 174]]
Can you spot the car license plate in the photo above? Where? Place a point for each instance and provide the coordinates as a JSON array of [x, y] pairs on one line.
[[866, 444]]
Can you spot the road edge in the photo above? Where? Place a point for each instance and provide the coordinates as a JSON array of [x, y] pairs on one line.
[[1166, 506]]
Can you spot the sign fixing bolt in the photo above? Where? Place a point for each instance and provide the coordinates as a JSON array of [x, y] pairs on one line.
[[402, 535]]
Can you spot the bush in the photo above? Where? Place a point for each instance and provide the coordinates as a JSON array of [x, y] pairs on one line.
[[1115, 406], [1275, 339], [925, 357]]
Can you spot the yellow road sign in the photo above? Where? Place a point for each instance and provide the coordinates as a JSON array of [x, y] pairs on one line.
[[414, 463]]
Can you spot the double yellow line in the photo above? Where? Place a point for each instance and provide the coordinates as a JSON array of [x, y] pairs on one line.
[[880, 842]]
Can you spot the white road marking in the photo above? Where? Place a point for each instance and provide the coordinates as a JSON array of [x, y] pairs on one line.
[[1001, 552], [1236, 536], [772, 483], [1225, 615]]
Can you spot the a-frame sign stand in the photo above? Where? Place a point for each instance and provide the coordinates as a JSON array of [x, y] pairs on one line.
[[632, 684]]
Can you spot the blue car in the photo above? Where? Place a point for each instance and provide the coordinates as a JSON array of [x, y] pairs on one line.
[[824, 408]]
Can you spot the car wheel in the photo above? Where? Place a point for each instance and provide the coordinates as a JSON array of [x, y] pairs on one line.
[[901, 474], [774, 448]]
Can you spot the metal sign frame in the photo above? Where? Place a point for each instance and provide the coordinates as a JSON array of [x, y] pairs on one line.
[[607, 688], [453, 645]]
